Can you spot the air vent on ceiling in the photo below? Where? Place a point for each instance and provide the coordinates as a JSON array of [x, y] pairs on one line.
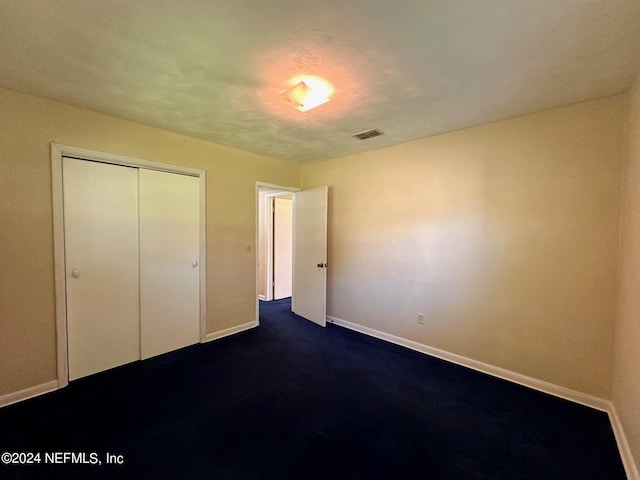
[[369, 134]]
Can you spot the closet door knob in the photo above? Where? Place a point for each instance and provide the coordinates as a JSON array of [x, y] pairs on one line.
[[194, 264], [75, 273]]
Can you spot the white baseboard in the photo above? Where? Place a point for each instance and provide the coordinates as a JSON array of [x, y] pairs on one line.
[[262, 297], [541, 385], [230, 331], [546, 387], [27, 393], [47, 387], [623, 446]]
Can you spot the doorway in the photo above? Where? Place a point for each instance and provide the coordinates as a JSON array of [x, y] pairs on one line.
[[308, 249], [262, 203], [275, 243]]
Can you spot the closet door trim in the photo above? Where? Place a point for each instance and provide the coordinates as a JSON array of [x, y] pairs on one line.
[[57, 152]]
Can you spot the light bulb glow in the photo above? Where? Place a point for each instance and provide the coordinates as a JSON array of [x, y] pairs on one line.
[[307, 93]]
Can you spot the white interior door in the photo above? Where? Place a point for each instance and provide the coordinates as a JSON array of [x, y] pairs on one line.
[[282, 247], [101, 254], [169, 255], [310, 254]]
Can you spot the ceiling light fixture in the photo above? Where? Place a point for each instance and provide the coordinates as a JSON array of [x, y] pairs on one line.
[[307, 93]]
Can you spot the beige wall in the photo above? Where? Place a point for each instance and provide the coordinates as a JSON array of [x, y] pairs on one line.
[[504, 235], [27, 126], [626, 368]]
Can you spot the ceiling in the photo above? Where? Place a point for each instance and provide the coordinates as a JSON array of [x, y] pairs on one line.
[[411, 68]]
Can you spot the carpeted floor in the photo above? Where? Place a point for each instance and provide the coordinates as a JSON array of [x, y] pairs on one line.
[[291, 400]]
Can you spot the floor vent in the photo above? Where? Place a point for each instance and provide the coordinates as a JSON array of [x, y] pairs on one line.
[[369, 134]]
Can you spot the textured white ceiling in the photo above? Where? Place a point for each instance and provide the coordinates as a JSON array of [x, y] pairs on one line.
[[411, 68]]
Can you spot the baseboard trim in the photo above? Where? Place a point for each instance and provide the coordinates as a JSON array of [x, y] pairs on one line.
[[540, 385], [30, 392], [231, 331], [37, 390], [262, 297], [607, 406], [629, 463]]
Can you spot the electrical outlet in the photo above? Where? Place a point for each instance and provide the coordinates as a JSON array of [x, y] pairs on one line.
[[420, 318]]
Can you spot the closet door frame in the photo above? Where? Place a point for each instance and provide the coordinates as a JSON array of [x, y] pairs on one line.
[[57, 152]]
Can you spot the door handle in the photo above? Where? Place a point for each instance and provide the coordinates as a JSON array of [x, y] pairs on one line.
[[194, 264], [322, 265], [75, 273]]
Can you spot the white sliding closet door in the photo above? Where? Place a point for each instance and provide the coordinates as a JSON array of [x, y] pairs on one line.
[[169, 253], [101, 245]]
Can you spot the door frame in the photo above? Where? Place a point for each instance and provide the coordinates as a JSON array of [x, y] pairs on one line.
[[269, 241], [282, 190], [57, 152]]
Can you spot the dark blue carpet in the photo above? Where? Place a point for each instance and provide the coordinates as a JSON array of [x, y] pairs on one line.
[[291, 400]]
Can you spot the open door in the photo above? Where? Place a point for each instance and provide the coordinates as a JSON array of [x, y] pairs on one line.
[[310, 254]]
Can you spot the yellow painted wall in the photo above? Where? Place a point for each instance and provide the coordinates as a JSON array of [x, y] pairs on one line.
[[27, 126], [504, 235], [626, 370]]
